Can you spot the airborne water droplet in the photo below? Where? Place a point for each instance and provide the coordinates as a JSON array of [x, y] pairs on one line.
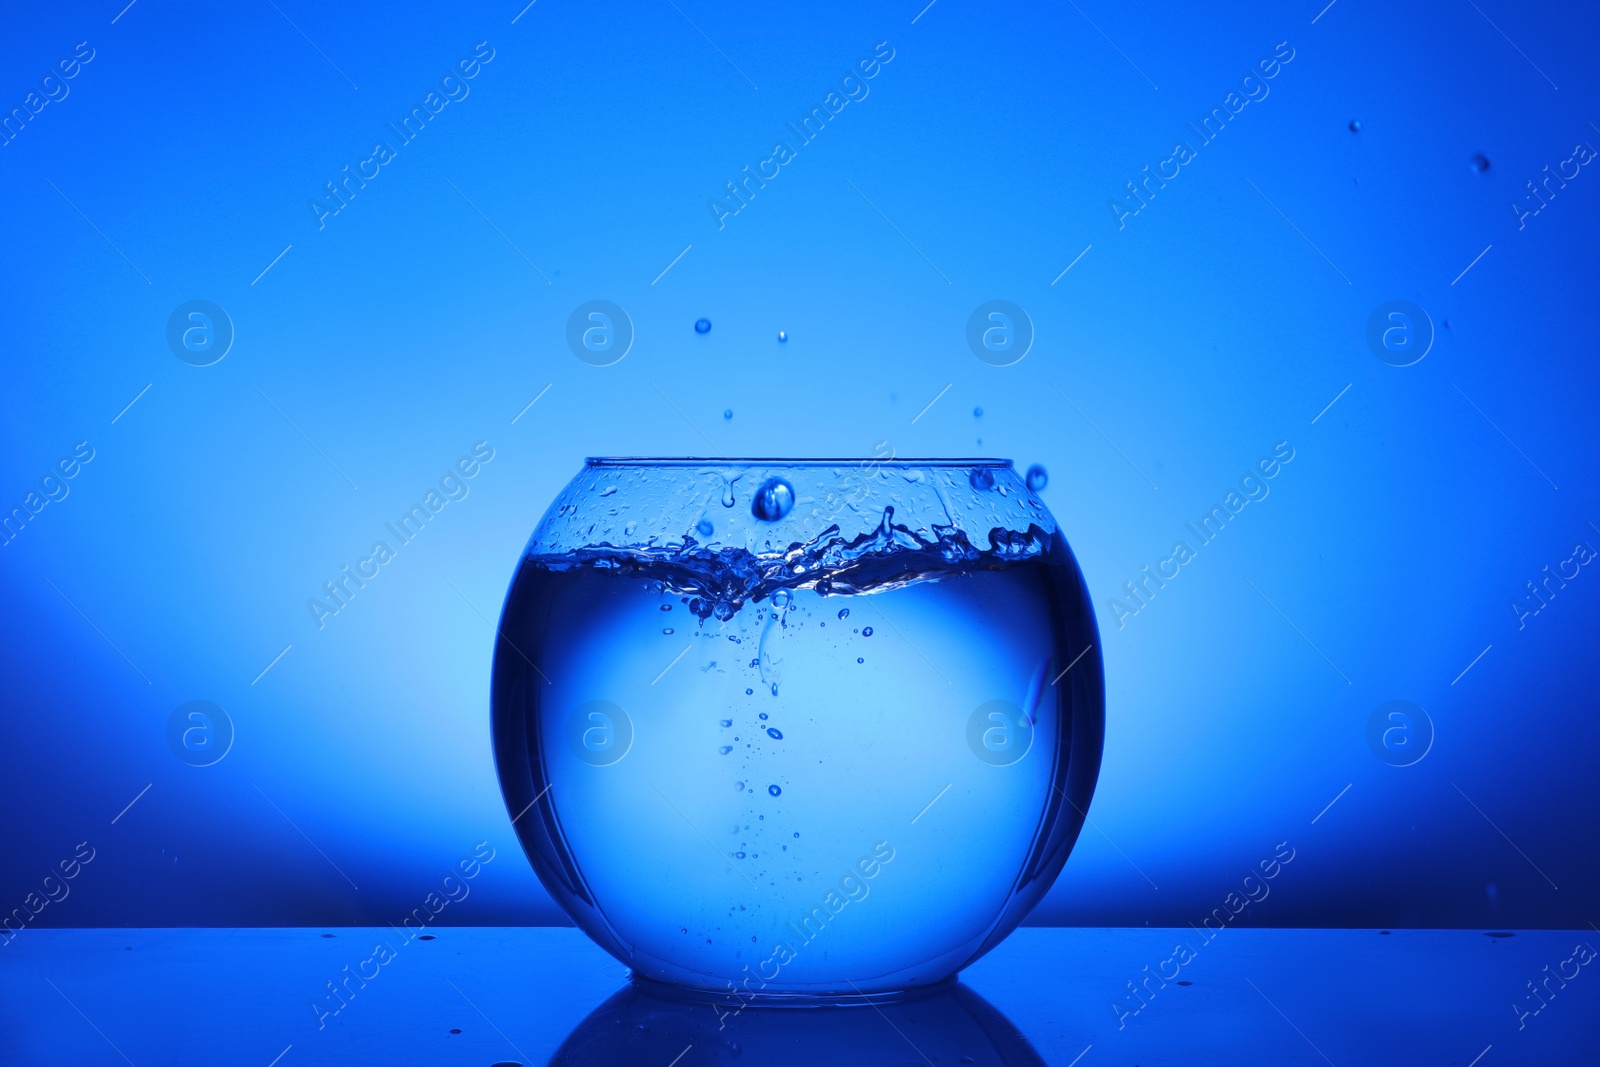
[[773, 500], [1037, 478]]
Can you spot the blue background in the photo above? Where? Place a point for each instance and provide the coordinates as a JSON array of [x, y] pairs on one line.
[[423, 318]]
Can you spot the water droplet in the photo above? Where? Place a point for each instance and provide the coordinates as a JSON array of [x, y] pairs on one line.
[[981, 479], [702, 325], [844, 613], [705, 527], [860, 659], [667, 630], [738, 855], [627, 531], [783, 336], [780, 599], [866, 631], [797, 833], [1037, 478], [747, 692], [727, 494], [1480, 163], [725, 723], [775, 733], [666, 607], [723, 611], [773, 500], [977, 413], [1355, 125], [727, 413], [774, 790], [725, 749], [762, 716]]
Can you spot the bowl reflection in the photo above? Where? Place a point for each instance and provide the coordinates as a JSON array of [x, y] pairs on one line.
[[955, 1026]]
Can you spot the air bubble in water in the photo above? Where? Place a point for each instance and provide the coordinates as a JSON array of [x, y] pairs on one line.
[[844, 613], [702, 325], [774, 733], [773, 500], [783, 336], [774, 790], [1480, 163], [725, 723], [780, 599], [727, 413], [977, 413], [1037, 478], [704, 527], [725, 749], [1355, 125]]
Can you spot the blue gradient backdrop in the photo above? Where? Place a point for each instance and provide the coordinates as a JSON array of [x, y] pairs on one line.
[[1179, 348]]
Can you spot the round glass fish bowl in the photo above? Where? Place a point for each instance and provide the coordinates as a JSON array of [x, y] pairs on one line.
[[797, 731]]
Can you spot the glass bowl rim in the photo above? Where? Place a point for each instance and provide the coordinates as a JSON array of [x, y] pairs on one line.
[[777, 461]]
